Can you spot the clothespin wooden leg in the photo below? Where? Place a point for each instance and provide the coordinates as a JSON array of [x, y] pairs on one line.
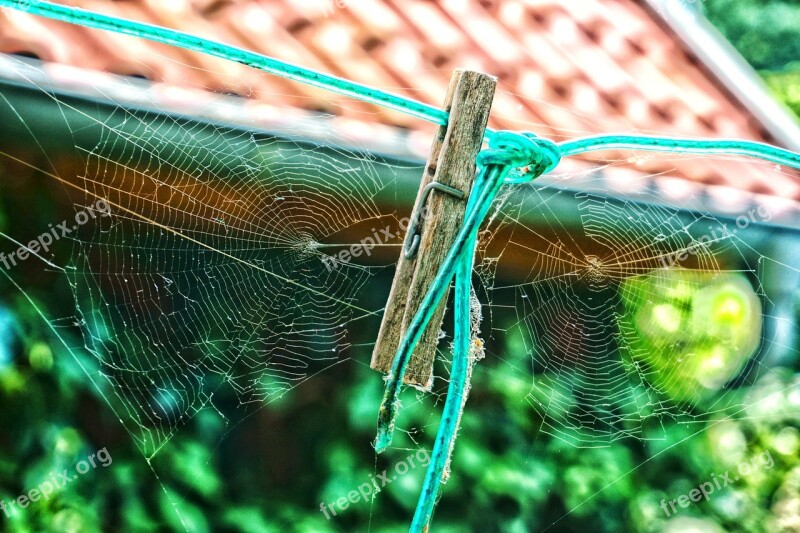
[[447, 182]]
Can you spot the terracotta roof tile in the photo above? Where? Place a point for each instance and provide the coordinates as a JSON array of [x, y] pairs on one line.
[[16, 36]]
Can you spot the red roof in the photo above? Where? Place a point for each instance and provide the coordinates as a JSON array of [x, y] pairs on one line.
[[566, 69]]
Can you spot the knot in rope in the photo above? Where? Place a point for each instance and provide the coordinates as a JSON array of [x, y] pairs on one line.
[[530, 155]]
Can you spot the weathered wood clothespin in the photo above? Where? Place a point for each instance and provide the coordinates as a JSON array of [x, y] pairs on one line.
[[438, 213]]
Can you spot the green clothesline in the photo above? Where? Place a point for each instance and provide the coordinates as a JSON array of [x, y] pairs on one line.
[[499, 164]]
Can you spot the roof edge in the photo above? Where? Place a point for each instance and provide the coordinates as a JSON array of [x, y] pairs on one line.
[[725, 63]]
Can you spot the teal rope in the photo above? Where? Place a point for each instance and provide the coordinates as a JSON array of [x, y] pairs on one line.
[[491, 176], [507, 151], [510, 150], [179, 39], [681, 146], [430, 302], [456, 394]]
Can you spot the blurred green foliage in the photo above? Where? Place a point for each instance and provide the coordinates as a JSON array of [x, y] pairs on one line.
[[786, 87], [693, 331], [767, 34], [271, 470]]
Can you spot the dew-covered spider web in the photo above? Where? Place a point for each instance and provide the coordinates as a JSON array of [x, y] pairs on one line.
[[611, 342], [218, 274], [219, 277], [210, 277], [221, 284]]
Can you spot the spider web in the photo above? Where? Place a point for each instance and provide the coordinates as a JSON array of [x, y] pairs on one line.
[[211, 277], [214, 282], [579, 322], [211, 272]]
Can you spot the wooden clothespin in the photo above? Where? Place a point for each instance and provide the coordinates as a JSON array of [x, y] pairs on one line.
[[448, 179]]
